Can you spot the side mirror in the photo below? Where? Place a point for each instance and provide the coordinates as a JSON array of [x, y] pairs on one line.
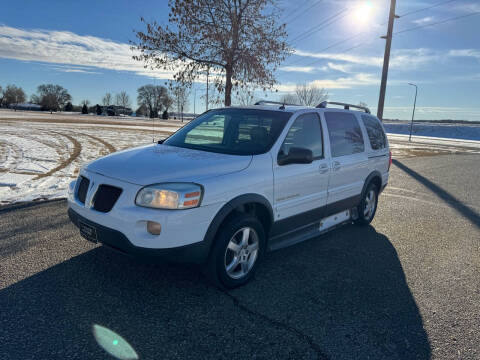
[[296, 155]]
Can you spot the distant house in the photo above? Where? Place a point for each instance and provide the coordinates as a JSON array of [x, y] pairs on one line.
[[114, 110], [26, 106]]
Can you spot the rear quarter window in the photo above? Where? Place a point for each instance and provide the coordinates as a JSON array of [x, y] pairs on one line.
[[345, 134], [376, 135]]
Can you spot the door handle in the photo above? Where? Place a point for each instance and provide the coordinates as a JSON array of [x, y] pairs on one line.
[[336, 165], [323, 168]]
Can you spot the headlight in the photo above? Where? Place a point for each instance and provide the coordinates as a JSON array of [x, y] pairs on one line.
[[170, 196]]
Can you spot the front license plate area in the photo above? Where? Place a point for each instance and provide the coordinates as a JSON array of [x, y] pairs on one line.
[[88, 232]]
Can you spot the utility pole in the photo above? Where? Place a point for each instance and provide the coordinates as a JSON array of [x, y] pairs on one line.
[[386, 58], [206, 102], [413, 113]]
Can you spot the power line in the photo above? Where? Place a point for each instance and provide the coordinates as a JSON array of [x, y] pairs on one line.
[[426, 8], [323, 24], [294, 12], [396, 33], [310, 7], [364, 32], [437, 22]]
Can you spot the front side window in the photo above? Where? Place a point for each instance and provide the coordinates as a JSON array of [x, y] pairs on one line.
[[306, 132], [232, 131], [345, 134], [377, 137]]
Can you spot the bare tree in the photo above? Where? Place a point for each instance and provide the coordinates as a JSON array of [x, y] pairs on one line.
[[180, 97], [215, 98], [310, 95], [52, 97], [245, 97], [239, 41], [13, 95], [122, 99], [154, 97], [107, 99], [289, 99], [168, 102], [85, 102]]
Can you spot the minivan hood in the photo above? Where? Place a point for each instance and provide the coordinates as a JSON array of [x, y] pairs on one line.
[[152, 164]]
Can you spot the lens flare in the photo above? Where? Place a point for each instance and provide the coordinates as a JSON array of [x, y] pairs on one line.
[[113, 343]]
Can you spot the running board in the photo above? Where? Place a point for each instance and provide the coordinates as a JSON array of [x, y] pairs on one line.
[[309, 231]]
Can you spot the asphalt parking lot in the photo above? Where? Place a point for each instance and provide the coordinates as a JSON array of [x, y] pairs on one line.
[[407, 287]]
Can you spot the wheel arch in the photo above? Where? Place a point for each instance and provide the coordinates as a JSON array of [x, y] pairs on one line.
[[374, 177], [247, 203]]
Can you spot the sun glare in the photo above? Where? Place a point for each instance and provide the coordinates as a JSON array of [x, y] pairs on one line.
[[363, 11]]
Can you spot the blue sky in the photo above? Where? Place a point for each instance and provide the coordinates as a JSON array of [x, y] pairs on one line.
[[85, 48]]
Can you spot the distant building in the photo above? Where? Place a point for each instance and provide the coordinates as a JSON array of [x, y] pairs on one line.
[[26, 106], [114, 110]]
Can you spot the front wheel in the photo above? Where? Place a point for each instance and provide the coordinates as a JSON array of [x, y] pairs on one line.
[[368, 206], [239, 246]]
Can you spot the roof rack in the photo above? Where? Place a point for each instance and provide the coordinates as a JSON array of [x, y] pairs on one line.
[[267, 102], [346, 106]]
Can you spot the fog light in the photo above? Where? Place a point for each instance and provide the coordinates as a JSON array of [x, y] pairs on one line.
[[154, 228]]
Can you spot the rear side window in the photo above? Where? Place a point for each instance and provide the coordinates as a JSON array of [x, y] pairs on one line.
[[344, 133], [306, 132], [377, 137]]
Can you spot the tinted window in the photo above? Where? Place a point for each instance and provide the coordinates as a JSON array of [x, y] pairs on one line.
[[344, 133], [232, 131], [208, 132], [305, 133], [375, 132]]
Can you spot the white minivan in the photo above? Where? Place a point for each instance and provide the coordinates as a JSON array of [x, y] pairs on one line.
[[235, 183]]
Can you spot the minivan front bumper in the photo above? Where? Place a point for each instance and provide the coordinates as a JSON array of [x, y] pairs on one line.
[[196, 253]]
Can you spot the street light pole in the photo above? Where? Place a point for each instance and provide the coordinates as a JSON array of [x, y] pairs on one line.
[[194, 101], [413, 113], [386, 59]]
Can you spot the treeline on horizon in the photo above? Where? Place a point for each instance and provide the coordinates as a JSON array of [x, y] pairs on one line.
[[153, 100]]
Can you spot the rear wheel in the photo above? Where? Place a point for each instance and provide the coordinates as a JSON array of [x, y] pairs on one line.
[[368, 206], [239, 246]]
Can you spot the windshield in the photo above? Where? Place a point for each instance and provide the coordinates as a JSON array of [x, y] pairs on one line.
[[232, 131]]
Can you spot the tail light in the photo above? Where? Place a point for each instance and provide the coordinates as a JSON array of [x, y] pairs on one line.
[[389, 160]]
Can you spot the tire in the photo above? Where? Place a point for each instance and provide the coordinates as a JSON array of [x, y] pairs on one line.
[[368, 206], [239, 246]]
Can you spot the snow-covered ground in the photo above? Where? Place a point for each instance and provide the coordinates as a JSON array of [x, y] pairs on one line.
[[450, 131], [40, 153]]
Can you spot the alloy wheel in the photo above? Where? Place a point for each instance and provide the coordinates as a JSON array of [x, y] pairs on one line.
[[241, 253], [370, 204]]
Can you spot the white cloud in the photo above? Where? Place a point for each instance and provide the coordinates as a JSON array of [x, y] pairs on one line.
[[469, 7], [423, 21], [360, 79], [75, 69], [402, 59], [340, 67], [64, 47], [304, 69], [354, 59], [465, 53]]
